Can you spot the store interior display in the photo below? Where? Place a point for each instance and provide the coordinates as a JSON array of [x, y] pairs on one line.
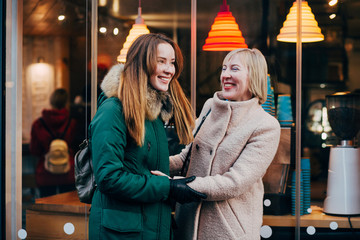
[[343, 191], [276, 178], [269, 104], [305, 188], [284, 110], [330, 56]]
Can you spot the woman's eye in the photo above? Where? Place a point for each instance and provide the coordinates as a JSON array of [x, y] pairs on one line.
[[234, 69]]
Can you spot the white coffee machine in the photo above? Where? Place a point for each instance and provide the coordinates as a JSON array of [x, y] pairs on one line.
[[343, 186]]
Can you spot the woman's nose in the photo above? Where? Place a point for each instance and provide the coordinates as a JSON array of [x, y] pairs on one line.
[[225, 74], [169, 68]]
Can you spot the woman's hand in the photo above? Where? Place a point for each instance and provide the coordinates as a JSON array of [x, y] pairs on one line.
[[182, 193], [159, 173], [179, 190]]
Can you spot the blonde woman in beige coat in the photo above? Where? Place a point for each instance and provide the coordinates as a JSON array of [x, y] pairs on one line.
[[230, 155]]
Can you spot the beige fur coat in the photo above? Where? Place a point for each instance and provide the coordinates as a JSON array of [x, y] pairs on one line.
[[230, 155]]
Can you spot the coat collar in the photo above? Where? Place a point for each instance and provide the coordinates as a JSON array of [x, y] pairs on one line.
[[158, 103], [235, 108]]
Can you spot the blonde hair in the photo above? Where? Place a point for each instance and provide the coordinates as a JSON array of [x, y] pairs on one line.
[[256, 64], [140, 65]]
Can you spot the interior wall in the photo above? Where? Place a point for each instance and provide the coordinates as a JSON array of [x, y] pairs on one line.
[[53, 52]]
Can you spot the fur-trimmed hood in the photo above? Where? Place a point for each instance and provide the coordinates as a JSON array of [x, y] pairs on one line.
[[157, 102], [110, 84]]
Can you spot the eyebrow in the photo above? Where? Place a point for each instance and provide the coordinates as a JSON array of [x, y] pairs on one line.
[[173, 59], [232, 65]]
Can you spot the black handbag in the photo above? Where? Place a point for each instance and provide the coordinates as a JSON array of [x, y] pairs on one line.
[[187, 159], [84, 174]]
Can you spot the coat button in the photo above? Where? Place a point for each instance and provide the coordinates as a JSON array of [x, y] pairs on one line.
[[197, 147], [211, 151]]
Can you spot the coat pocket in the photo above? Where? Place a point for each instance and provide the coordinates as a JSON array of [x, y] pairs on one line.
[[230, 219], [122, 221]]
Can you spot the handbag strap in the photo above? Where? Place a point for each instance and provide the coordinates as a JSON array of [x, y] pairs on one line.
[[187, 159]]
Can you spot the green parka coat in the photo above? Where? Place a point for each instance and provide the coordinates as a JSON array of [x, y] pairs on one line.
[[130, 202]]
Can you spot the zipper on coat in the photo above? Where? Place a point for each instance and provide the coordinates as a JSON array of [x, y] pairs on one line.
[[157, 167], [157, 146], [144, 219]]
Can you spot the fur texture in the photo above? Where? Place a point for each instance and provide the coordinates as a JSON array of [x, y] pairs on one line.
[[110, 84]]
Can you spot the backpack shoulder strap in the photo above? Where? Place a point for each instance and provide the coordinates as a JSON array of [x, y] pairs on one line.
[[66, 128], [51, 133], [47, 128]]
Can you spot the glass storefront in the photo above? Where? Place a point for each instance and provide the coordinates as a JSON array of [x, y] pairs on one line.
[[72, 44]]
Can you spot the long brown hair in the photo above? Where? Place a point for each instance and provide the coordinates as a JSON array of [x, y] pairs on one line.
[[140, 65]]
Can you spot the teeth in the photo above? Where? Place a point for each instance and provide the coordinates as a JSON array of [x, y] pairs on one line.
[[164, 78], [227, 85]]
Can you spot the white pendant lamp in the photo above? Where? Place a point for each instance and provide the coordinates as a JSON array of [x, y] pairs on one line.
[[138, 29], [309, 26]]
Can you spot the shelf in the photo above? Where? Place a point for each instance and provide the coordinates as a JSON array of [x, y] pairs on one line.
[[46, 218], [317, 219]]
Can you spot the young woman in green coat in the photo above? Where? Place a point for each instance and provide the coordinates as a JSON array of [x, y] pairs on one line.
[[128, 140]]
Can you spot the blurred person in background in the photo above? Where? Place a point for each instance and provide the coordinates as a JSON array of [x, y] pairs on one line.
[[54, 123]]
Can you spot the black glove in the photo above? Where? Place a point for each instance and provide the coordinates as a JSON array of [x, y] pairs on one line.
[[182, 193]]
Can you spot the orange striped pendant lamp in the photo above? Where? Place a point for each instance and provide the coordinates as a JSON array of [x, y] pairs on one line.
[[225, 34]]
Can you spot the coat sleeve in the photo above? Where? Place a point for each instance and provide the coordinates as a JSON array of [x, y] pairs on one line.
[[108, 142], [249, 168]]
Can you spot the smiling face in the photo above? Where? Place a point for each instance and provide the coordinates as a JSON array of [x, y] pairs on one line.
[[165, 67], [235, 80]]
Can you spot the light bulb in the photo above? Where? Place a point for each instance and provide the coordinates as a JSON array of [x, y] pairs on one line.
[[61, 17]]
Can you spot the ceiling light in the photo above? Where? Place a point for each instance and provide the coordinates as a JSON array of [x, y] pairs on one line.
[[138, 29], [115, 6], [103, 30], [225, 34], [61, 13], [116, 31], [332, 16], [61, 17], [310, 31], [102, 3], [333, 2]]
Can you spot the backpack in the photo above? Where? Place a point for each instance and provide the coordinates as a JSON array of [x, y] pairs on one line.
[[57, 160], [84, 175]]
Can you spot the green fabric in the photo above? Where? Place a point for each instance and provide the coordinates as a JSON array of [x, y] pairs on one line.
[[130, 202]]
